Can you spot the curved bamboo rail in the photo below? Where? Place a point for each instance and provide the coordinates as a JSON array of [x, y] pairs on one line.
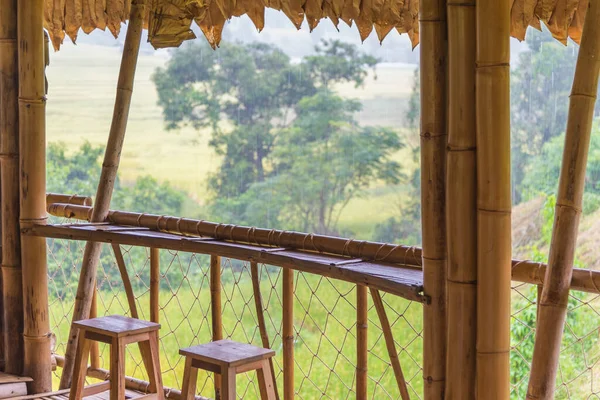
[[555, 292], [493, 199], [108, 175], [434, 52], [32, 145], [12, 275]]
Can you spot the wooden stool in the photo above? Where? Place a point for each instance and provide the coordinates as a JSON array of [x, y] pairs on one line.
[[227, 358], [118, 331]]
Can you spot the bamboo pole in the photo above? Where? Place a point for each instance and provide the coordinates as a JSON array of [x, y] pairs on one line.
[[260, 315], [390, 253], [154, 284], [361, 341], [555, 292], [32, 150], [493, 198], [107, 178], [216, 310], [288, 333], [390, 344], [432, 16], [461, 202], [120, 260], [12, 289], [52, 198]]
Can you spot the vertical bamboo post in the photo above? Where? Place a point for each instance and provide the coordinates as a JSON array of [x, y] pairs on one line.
[[94, 348], [433, 181], [493, 198], [260, 315], [154, 284], [361, 341], [288, 333], [32, 143], [461, 202], [108, 175], [12, 278], [216, 310], [555, 291]]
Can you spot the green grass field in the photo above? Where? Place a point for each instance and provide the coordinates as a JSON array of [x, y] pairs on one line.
[[82, 85]]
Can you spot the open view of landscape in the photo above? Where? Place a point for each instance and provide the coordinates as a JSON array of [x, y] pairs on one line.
[[320, 138]]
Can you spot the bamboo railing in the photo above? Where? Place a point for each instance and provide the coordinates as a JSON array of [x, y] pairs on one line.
[[555, 293], [12, 277], [32, 143], [107, 177]]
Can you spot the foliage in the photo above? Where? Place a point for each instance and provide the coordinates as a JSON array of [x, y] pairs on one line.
[[542, 175]]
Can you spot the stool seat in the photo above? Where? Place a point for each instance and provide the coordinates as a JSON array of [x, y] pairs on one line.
[[117, 326], [227, 353]]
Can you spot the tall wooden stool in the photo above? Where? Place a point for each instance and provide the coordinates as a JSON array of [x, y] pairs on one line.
[[228, 359], [117, 331]]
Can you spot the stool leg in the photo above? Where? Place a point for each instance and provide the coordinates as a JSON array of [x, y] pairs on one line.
[[117, 370], [228, 384], [154, 372], [81, 358], [265, 381], [190, 377]]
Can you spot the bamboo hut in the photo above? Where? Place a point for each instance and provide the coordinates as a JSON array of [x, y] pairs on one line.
[[461, 277]]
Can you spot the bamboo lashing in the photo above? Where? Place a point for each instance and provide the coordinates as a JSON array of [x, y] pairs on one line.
[[216, 310], [493, 199], [32, 152], [288, 333], [461, 202], [569, 201], [154, 284], [12, 277], [390, 344], [260, 315], [433, 31], [362, 350], [107, 177]]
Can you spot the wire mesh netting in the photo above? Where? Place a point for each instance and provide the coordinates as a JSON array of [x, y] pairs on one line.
[[324, 325], [324, 320]]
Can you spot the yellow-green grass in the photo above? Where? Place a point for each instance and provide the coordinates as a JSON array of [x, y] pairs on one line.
[[324, 318]]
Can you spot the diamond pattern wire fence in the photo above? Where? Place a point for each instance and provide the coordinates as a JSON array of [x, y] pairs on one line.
[[324, 325]]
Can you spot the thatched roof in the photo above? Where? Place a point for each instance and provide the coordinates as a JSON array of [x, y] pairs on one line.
[[169, 21]]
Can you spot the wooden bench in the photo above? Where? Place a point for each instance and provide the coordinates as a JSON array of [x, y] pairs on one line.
[[228, 359], [118, 331]]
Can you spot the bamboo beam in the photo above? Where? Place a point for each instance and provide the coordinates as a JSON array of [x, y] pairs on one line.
[[432, 17], [260, 315], [120, 260], [32, 150], [94, 346], [154, 284], [493, 198], [12, 277], [216, 310], [461, 202], [390, 344], [390, 253], [555, 292], [362, 349], [107, 178], [52, 198], [288, 333]]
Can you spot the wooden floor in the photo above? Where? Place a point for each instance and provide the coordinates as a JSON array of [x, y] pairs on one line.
[[64, 395]]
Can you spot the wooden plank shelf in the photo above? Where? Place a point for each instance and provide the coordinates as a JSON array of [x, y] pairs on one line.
[[404, 281]]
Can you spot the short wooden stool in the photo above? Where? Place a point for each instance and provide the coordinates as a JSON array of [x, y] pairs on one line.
[[227, 358], [117, 331]]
